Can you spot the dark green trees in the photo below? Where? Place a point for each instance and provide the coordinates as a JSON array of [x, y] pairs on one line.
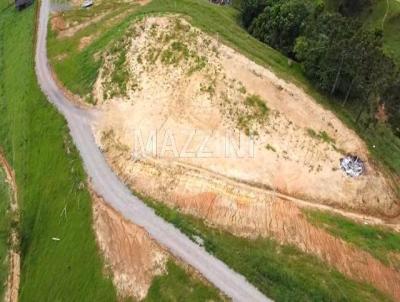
[[338, 55], [280, 22]]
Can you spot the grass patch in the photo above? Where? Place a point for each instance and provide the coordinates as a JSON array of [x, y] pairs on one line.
[[322, 136], [175, 286], [48, 174], [281, 272], [374, 17], [175, 53], [5, 228], [258, 104], [53, 203], [379, 242]]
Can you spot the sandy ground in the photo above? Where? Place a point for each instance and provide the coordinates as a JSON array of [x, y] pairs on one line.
[[14, 258], [133, 257], [194, 94], [199, 110]]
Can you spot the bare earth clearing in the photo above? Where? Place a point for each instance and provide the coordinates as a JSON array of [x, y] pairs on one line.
[[132, 256], [192, 92], [14, 258], [183, 82]]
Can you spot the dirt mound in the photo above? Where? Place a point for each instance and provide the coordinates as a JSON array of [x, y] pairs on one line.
[[187, 92], [134, 258], [169, 78]]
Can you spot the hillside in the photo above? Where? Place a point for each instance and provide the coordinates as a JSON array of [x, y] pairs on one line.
[[140, 72], [60, 257]]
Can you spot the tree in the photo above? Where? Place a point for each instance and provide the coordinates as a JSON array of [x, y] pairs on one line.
[[391, 101], [325, 50], [351, 8], [250, 9], [342, 58], [280, 23]]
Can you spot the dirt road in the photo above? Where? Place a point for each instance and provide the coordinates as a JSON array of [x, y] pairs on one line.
[[107, 185]]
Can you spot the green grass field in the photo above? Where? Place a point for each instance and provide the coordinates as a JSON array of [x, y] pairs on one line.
[[379, 242], [49, 173], [5, 227], [282, 272], [374, 17], [36, 141], [175, 286]]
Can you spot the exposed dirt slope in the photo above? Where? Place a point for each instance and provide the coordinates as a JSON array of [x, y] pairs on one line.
[[195, 91], [188, 89], [133, 257], [14, 258]]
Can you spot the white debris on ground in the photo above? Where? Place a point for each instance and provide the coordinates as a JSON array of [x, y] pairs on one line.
[[87, 3], [199, 240], [352, 165]]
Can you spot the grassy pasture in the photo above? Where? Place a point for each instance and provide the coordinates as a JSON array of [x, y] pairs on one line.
[[53, 202]]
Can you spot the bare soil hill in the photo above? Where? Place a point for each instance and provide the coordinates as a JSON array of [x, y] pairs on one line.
[[196, 94], [191, 122]]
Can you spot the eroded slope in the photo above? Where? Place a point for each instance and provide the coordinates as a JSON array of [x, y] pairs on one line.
[[169, 78]]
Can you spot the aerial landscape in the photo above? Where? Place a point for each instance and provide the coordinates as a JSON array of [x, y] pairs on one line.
[[199, 150]]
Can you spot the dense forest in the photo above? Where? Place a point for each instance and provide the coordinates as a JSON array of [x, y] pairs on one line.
[[339, 56]]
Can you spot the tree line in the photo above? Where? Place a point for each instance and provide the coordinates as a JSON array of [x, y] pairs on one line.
[[338, 55]]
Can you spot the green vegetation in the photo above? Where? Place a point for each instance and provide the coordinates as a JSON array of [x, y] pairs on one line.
[[49, 176], [175, 286], [53, 198], [322, 135], [175, 53], [78, 68], [258, 104], [385, 15], [5, 228], [341, 59], [283, 19], [379, 242], [119, 74], [282, 272], [269, 147]]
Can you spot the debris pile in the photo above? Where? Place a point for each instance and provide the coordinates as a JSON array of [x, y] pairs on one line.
[[352, 165], [87, 3]]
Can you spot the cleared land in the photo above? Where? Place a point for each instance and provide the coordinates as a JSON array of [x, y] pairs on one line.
[[141, 269], [78, 69], [173, 80], [5, 228], [223, 201]]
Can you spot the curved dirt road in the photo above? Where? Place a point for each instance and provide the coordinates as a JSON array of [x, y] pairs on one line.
[[106, 184]]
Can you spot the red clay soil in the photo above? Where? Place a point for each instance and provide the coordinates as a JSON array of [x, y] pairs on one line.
[[285, 222], [12, 285]]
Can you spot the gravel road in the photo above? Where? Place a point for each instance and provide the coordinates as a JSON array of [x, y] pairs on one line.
[[116, 194]]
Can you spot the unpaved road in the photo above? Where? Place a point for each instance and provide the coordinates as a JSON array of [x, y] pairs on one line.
[[106, 184]]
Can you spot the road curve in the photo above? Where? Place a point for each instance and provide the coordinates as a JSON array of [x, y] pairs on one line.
[[117, 195]]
